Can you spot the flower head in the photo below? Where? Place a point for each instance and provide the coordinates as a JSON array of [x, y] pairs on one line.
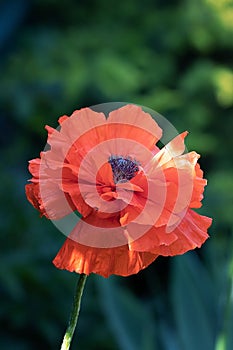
[[134, 199]]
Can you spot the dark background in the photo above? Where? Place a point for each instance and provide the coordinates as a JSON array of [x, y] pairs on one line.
[[172, 56]]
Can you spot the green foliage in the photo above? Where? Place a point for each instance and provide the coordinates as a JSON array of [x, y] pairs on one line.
[[173, 56], [193, 298], [130, 320]]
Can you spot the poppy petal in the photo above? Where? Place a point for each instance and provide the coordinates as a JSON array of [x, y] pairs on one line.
[[198, 188], [45, 194], [131, 122], [173, 149], [33, 196], [81, 122], [191, 233], [147, 237], [103, 261]]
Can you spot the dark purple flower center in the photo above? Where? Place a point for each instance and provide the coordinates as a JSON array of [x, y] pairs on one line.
[[123, 169]]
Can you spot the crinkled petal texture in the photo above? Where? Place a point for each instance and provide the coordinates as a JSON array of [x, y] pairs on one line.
[[103, 261], [134, 199]]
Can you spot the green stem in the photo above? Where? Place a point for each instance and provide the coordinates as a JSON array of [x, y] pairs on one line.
[[74, 312]]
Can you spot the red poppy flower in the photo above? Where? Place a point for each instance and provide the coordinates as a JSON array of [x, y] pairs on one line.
[[134, 199]]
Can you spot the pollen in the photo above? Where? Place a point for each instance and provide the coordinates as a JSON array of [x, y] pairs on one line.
[[123, 168]]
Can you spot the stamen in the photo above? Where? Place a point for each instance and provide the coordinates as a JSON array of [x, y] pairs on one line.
[[123, 169]]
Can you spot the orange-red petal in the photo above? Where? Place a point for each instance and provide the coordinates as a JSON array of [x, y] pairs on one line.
[[33, 196], [103, 261], [191, 233], [198, 188], [131, 122]]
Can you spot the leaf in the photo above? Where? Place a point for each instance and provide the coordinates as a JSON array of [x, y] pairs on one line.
[[131, 322], [229, 332], [229, 310], [193, 304]]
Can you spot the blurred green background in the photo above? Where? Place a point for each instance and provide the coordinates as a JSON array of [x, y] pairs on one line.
[[174, 56]]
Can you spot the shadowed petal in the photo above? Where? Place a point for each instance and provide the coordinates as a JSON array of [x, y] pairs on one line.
[[103, 261]]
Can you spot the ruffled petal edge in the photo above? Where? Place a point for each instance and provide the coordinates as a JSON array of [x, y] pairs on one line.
[[78, 258]]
